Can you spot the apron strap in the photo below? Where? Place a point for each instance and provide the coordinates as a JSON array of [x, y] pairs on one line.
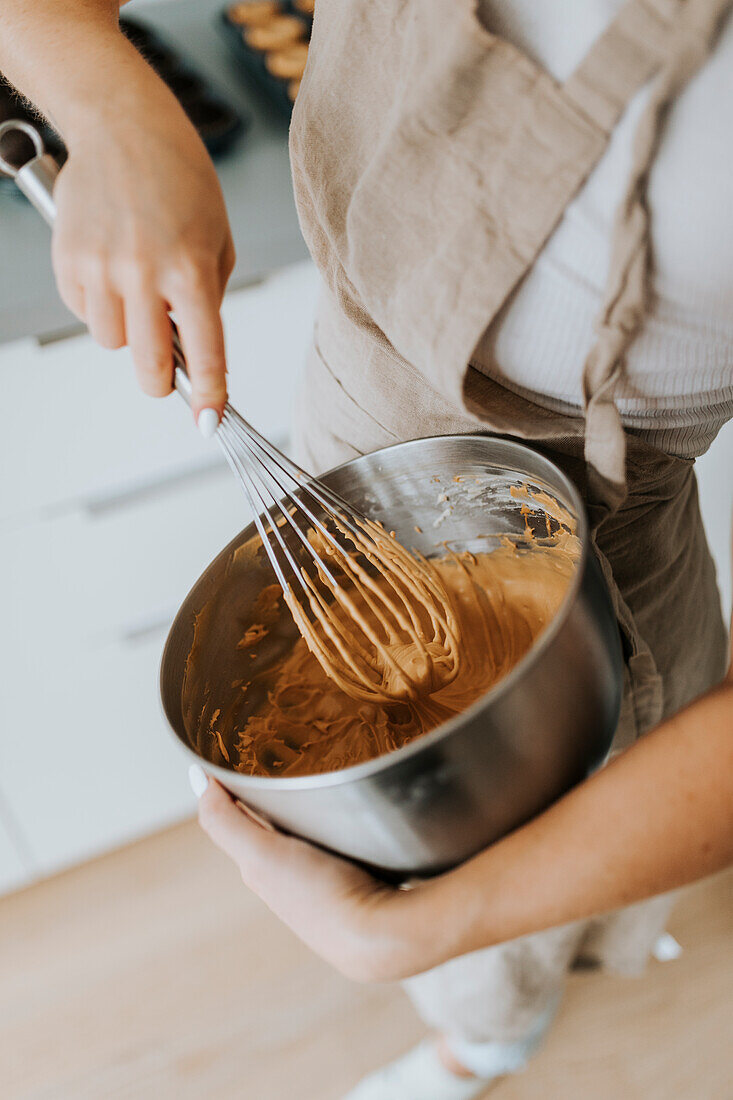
[[625, 56], [603, 78]]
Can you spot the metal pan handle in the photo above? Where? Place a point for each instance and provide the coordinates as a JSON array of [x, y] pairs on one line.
[[36, 179]]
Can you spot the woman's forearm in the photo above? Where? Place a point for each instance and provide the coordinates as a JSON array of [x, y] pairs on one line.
[[70, 59], [658, 817]]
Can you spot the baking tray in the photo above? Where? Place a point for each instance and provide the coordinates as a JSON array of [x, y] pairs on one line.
[[263, 64], [217, 122]]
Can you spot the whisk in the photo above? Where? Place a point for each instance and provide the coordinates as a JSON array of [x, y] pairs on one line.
[[375, 616]]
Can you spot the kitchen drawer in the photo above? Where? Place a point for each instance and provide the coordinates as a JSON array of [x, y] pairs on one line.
[[89, 576], [80, 431]]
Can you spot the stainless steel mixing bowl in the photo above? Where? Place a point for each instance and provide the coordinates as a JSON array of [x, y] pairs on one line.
[[445, 796]]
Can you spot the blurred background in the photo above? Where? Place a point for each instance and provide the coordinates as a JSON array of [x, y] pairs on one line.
[[110, 507]]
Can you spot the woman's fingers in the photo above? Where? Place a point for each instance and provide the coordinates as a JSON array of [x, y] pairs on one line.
[[137, 314], [105, 314], [334, 906], [196, 303], [237, 834], [273, 864], [73, 297], [136, 237], [148, 331], [70, 285], [226, 263]]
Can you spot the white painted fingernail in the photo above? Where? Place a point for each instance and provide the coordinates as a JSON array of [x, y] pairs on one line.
[[208, 422], [666, 948], [198, 779]]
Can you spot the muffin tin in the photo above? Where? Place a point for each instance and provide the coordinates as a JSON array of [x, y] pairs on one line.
[[216, 121], [270, 38]]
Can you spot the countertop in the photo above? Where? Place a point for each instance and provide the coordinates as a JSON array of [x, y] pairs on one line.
[[255, 176]]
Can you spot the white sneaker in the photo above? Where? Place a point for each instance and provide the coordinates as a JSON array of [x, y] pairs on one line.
[[419, 1075]]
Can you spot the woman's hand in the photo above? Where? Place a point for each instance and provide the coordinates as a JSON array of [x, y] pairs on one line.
[[141, 226], [142, 229], [366, 930], [657, 817]]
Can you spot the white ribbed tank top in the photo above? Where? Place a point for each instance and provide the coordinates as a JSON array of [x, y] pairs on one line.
[[677, 388]]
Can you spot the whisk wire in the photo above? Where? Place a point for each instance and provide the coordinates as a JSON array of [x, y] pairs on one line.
[[346, 562], [252, 475], [399, 589]]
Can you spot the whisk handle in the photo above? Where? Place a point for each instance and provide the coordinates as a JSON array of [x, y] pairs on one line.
[[36, 179], [181, 380]]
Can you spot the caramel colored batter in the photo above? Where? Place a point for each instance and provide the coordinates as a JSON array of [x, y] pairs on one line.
[[502, 600], [383, 633], [264, 702]]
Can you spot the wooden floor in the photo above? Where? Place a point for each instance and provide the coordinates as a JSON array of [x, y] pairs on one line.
[[153, 974]]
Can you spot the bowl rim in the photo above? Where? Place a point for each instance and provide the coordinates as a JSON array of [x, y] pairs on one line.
[[367, 768]]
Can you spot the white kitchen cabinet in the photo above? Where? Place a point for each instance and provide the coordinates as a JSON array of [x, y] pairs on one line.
[[110, 507], [15, 871]]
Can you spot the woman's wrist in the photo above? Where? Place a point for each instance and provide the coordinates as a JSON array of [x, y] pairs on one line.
[[424, 927], [80, 70], [121, 90]]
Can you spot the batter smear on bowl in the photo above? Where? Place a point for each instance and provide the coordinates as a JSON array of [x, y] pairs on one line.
[[306, 724]]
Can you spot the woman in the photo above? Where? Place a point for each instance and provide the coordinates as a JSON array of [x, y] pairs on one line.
[[457, 198]]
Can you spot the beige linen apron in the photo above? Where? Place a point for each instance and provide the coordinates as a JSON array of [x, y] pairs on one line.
[[431, 163]]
